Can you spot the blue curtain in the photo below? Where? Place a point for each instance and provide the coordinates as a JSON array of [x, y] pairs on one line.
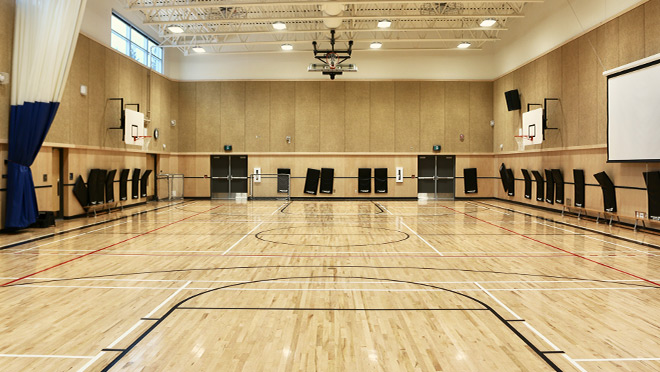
[[28, 126]]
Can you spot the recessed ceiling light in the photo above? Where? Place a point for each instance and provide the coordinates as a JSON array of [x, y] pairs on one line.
[[175, 29], [488, 22], [376, 45], [464, 45], [198, 49], [279, 25], [384, 23], [287, 47]]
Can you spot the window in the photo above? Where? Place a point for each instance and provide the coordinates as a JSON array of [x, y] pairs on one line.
[[135, 43]]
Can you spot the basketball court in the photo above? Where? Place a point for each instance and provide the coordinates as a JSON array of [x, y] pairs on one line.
[[309, 285]]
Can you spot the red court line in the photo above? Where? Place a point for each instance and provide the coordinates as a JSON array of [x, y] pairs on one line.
[[106, 247], [552, 246]]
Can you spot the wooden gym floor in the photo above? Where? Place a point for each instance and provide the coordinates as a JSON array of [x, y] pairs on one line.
[[332, 286]]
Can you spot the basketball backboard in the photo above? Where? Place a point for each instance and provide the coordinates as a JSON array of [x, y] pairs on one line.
[[532, 127]]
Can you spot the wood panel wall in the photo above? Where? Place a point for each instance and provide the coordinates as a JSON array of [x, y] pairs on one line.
[[6, 49], [335, 116], [574, 74], [85, 120]]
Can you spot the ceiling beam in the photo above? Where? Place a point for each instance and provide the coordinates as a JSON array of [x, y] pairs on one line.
[[339, 31], [278, 42], [354, 50], [224, 4], [321, 18]]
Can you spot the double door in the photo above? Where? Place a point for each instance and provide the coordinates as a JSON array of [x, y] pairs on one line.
[[436, 178], [229, 176]]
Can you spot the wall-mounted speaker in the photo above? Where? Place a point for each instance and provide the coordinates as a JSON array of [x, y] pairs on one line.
[[470, 180], [559, 186], [540, 186], [528, 183], [578, 179], [609, 193], [312, 181], [512, 100], [327, 180], [652, 180]]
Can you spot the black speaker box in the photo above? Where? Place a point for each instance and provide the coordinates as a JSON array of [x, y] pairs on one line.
[[135, 184], [549, 187], [123, 184], [144, 180], [110, 186], [80, 192], [470, 180], [540, 186], [528, 183], [511, 182], [609, 193], [327, 180], [380, 180], [578, 179], [283, 181], [364, 180], [559, 186], [312, 181], [512, 100], [652, 180], [503, 177]]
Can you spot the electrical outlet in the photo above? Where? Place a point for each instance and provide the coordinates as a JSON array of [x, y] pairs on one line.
[[45, 177], [70, 176]]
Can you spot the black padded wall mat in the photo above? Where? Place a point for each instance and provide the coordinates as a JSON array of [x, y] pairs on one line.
[[470, 180], [540, 186], [110, 186], [144, 182], [380, 180], [559, 186], [511, 183], [80, 191], [364, 180], [135, 184], [549, 187], [609, 193], [123, 184], [503, 177], [283, 181], [578, 178], [528, 183], [327, 180], [95, 183], [312, 181], [652, 180], [100, 186]]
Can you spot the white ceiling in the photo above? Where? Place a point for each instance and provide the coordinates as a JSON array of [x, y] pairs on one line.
[[241, 43]]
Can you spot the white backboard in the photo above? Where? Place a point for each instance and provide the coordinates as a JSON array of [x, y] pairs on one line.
[[134, 127], [532, 127]]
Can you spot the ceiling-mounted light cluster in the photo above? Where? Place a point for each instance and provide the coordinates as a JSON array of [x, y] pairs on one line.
[[287, 47], [376, 45], [198, 49], [490, 22], [175, 29], [385, 23], [279, 25], [464, 45]]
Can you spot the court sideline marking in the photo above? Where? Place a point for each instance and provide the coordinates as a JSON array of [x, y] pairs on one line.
[[552, 246], [106, 247], [408, 227], [250, 232]]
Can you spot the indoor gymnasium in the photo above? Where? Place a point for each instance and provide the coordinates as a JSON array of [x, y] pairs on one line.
[[349, 185]]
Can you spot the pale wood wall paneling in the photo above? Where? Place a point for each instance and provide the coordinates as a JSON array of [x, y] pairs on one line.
[[232, 115], [381, 123], [652, 27], [187, 124], [407, 116], [306, 112], [432, 115], [207, 113], [257, 116], [457, 117], [332, 119], [631, 35], [6, 49], [282, 116], [481, 113], [357, 113]]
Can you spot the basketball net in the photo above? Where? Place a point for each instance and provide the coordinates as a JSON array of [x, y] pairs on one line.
[[331, 60]]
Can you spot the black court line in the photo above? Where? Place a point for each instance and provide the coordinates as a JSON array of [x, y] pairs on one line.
[[260, 235], [515, 320], [149, 318], [574, 226], [119, 350], [50, 235], [485, 307], [322, 309], [258, 267], [554, 352], [339, 214]]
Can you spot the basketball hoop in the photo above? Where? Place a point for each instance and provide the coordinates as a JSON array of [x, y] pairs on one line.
[[331, 60], [135, 138], [520, 141]]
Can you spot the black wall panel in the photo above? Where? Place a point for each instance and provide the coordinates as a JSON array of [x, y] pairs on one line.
[[327, 180], [380, 180], [540, 186], [312, 181], [559, 186], [578, 178], [364, 180], [470, 180], [123, 184], [549, 187], [609, 193], [528, 183]]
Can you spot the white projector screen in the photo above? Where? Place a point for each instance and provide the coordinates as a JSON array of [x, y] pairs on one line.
[[633, 114]]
